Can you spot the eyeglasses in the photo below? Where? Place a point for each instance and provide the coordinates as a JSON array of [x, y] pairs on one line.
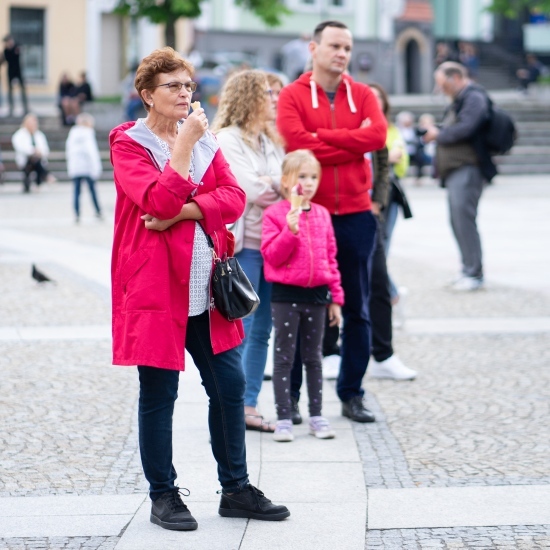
[[269, 92], [175, 87]]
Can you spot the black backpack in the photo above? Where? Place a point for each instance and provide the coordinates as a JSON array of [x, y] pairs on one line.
[[499, 131]]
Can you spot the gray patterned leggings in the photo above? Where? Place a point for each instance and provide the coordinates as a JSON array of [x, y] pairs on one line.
[[309, 320]]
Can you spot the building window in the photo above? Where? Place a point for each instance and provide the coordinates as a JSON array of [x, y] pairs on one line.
[[305, 5], [340, 5], [27, 28]]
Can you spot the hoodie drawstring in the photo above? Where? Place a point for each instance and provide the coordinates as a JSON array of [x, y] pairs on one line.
[[350, 97], [315, 99]]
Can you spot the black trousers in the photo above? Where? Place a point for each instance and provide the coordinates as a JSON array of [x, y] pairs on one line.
[[380, 303]]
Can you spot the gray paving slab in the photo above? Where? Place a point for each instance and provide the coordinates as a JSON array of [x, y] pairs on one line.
[[319, 526], [69, 516], [458, 506], [70, 332], [214, 532]]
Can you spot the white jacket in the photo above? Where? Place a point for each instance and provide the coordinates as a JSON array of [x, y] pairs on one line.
[[248, 165], [23, 147], [82, 153]]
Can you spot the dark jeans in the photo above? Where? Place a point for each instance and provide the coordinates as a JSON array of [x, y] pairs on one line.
[[91, 185], [355, 238], [380, 303], [223, 380]]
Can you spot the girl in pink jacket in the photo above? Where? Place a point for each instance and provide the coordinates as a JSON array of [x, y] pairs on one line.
[[299, 250]]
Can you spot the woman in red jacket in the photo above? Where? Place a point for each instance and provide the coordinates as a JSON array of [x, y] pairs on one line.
[[299, 250], [175, 193]]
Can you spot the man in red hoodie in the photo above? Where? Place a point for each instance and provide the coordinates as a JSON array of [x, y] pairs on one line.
[[339, 120]]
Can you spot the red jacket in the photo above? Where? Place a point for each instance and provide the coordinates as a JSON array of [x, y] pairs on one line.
[[307, 259], [304, 109], [150, 269]]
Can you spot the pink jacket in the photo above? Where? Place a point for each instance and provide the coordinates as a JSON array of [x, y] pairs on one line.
[[307, 259], [151, 269]]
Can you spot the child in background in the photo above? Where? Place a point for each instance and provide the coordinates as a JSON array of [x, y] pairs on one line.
[[83, 160], [299, 251]]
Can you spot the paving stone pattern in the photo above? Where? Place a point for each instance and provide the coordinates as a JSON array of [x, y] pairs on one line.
[[520, 537], [59, 543], [476, 412]]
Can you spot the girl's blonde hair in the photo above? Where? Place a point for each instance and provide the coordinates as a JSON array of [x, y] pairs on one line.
[[242, 104], [293, 162]]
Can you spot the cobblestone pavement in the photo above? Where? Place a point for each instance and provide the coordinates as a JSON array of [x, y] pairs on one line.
[[59, 543], [521, 537], [474, 416]]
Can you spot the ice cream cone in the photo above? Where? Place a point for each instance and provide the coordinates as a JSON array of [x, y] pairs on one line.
[[196, 105], [296, 201]]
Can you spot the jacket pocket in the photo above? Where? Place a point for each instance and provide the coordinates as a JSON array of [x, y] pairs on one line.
[[144, 281]]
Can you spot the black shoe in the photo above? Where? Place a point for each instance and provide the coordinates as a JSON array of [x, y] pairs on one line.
[[251, 503], [295, 411], [170, 512], [267, 377], [356, 411]]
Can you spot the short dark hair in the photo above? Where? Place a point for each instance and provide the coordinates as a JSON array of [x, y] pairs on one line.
[[322, 26]]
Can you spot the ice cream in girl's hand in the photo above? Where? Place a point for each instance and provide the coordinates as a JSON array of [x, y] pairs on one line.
[[195, 105], [296, 197]]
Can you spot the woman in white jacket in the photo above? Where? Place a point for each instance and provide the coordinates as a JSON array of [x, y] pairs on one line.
[[249, 141], [83, 160], [31, 152]]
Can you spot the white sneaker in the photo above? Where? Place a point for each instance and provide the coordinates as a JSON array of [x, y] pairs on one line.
[[331, 367], [320, 428], [392, 368], [468, 284], [283, 431]]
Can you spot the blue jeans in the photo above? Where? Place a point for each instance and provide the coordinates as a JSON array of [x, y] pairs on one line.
[[257, 327], [91, 184], [355, 238], [390, 219], [223, 380]]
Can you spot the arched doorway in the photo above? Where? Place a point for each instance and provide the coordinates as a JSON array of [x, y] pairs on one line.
[[413, 84], [413, 62]]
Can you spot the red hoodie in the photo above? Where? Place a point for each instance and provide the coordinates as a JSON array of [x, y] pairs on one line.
[[304, 109]]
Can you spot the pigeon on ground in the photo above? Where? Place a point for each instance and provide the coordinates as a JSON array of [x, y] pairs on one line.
[[40, 277]]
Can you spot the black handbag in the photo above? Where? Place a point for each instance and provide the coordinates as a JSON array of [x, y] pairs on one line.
[[233, 293]]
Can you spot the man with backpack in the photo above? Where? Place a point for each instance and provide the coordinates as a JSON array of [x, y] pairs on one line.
[[463, 163]]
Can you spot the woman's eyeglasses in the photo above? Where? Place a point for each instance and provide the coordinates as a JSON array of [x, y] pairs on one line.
[[175, 87], [269, 92]]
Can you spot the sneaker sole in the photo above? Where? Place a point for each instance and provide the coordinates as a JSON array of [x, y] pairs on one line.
[[283, 439], [228, 513], [366, 421], [389, 377], [190, 526], [330, 435]]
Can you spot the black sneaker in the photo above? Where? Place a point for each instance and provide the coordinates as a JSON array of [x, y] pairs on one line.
[[356, 411], [295, 411], [251, 503], [170, 512]]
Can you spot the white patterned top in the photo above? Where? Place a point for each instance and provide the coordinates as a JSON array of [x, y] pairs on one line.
[[201, 260]]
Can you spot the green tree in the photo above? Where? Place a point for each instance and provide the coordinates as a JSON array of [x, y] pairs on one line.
[[513, 8], [169, 11]]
